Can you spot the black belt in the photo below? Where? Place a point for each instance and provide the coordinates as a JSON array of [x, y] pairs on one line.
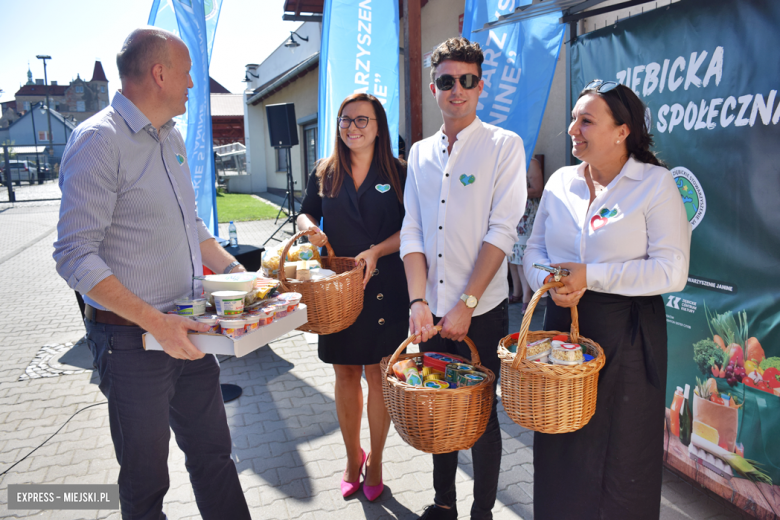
[[107, 317]]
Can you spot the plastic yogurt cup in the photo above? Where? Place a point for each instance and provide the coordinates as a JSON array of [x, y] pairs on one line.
[[279, 309], [229, 303], [211, 321], [190, 306], [291, 299], [266, 316], [252, 322], [232, 327]]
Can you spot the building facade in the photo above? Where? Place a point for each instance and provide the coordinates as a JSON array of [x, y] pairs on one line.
[[79, 100]]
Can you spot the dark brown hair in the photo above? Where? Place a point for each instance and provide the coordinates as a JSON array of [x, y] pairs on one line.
[[331, 170], [457, 49], [627, 109]]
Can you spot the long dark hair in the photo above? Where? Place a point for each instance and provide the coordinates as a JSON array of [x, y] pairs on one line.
[[628, 109], [331, 171]]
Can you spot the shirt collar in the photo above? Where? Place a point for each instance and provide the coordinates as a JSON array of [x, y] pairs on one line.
[[633, 169], [463, 134], [134, 118]]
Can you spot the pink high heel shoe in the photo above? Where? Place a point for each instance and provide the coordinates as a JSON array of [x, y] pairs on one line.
[[348, 488], [373, 492]]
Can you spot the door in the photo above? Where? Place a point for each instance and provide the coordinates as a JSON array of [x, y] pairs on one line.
[[309, 151]]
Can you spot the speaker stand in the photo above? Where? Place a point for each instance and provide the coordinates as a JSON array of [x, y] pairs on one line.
[[289, 199]]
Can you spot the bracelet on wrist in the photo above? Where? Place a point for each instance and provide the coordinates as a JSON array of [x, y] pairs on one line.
[[423, 300]]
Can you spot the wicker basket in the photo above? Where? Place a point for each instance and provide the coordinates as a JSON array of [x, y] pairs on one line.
[[548, 398], [437, 421], [334, 303]]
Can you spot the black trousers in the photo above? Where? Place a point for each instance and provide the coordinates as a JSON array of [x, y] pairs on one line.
[[485, 331], [150, 393], [612, 467]]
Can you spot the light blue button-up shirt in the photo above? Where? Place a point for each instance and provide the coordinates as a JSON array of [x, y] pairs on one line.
[[128, 208]]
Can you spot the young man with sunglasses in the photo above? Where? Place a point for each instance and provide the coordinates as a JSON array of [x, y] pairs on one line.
[[465, 193]]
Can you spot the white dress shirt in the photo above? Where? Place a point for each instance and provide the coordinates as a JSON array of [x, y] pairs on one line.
[[640, 247], [456, 202]]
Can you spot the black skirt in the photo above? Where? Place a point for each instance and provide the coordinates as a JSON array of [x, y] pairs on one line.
[[612, 467]]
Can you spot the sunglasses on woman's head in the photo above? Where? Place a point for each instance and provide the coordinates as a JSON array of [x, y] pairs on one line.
[[447, 81], [360, 121], [601, 86]]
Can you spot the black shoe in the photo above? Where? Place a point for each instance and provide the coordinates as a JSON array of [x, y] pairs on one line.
[[433, 512]]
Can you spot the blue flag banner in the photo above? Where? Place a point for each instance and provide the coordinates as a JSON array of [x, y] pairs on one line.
[[195, 23], [519, 66], [358, 53]]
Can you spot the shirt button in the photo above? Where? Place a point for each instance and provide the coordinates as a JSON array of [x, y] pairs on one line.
[[439, 255], [375, 272], [446, 174], [441, 281], [439, 227], [381, 321], [372, 245], [442, 202], [380, 296]]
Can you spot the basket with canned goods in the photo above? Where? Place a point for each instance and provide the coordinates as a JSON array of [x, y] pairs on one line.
[[549, 378], [438, 402], [334, 302]]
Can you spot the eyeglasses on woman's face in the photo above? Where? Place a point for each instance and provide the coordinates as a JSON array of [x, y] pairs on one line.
[[360, 121], [447, 81]]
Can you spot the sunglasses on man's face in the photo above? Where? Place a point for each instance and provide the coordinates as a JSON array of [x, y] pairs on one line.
[[447, 81], [360, 121], [601, 86]]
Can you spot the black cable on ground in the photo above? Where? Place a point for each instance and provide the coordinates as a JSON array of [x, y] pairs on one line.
[[51, 437]]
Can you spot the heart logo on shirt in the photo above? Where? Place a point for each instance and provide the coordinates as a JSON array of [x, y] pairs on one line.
[[180, 158], [600, 220], [467, 179], [382, 188]]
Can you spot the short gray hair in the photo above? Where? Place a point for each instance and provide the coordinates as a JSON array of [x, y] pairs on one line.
[[143, 48]]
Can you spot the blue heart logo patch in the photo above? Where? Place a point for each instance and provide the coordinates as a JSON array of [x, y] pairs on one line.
[[180, 158], [382, 188], [467, 179]]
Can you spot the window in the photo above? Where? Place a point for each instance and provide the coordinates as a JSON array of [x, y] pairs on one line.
[[43, 136], [281, 160], [102, 88], [27, 105], [79, 89], [80, 106]]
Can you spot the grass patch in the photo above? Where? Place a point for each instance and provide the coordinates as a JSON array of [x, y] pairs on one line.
[[240, 207]]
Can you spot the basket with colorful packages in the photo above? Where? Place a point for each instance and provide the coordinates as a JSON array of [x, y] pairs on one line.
[[555, 397], [421, 399]]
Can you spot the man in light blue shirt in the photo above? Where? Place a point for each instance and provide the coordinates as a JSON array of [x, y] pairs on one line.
[[130, 241]]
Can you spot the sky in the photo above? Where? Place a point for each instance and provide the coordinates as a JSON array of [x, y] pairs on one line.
[[77, 33]]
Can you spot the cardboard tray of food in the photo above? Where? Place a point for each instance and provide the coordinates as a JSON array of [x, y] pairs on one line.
[[220, 344]]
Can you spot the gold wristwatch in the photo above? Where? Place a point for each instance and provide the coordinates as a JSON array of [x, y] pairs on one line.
[[470, 301]]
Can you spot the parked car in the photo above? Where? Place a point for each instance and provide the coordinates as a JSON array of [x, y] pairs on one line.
[[21, 171]]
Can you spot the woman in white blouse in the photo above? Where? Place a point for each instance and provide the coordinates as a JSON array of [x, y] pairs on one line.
[[618, 223]]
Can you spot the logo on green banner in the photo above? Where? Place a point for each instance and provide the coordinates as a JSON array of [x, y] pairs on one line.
[[692, 194]]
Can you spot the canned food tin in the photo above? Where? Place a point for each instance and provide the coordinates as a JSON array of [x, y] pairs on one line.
[[452, 371], [469, 379]]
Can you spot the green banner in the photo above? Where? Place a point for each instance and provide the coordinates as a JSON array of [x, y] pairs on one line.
[[709, 73]]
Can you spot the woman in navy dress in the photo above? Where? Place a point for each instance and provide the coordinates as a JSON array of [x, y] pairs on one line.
[[358, 192]]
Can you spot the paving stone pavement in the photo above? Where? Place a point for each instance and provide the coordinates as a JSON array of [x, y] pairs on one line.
[[286, 442]]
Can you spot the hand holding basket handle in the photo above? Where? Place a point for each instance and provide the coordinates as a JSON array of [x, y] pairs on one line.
[[399, 351], [522, 341], [333, 303]]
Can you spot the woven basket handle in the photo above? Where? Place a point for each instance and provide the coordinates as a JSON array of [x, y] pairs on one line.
[[394, 358], [522, 341], [282, 277]]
